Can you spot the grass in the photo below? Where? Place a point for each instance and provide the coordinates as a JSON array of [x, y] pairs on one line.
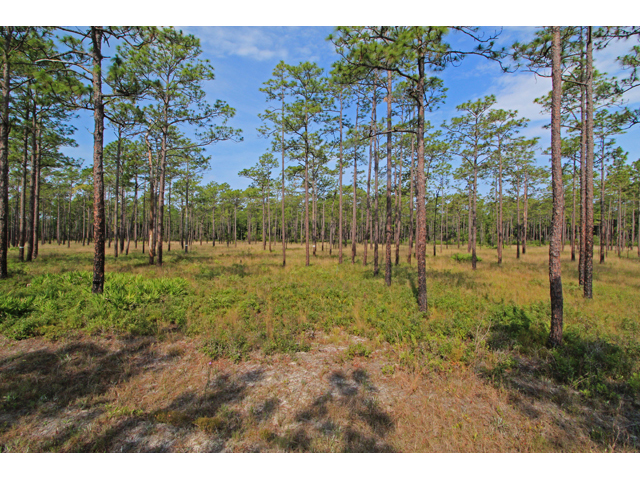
[[239, 306]]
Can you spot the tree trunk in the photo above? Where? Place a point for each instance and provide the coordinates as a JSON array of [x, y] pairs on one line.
[[355, 198], [500, 205], [4, 159], [340, 219], [387, 275], [411, 226], [421, 239], [116, 194], [588, 265], [98, 172], [555, 281]]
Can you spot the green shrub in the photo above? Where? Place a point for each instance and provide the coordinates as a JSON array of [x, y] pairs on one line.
[[56, 303], [464, 257], [357, 350]]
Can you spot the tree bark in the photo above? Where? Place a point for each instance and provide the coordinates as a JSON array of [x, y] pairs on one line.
[[421, 232], [4, 158], [588, 264], [555, 281], [98, 172], [387, 275]]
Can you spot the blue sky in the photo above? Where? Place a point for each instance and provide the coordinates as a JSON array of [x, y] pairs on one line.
[[244, 58]]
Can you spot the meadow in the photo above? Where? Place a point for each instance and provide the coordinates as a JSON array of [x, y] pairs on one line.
[[222, 349]]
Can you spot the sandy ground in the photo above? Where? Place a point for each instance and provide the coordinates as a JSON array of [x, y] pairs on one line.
[[142, 395]]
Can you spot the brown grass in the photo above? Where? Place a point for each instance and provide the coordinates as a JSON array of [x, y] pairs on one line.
[[162, 394]]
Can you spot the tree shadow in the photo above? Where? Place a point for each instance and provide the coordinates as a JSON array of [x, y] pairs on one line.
[[586, 384], [346, 417], [47, 384]]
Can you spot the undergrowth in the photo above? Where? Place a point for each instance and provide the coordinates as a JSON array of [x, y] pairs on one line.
[[239, 301]]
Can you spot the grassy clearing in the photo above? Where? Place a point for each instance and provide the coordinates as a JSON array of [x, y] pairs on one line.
[[239, 305]]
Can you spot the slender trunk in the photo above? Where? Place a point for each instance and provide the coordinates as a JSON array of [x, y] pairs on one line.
[[376, 219], [399, 205], [98, 172], [355, 198], [32, 235], [340, 183], [117, 186], [555, 281], [573, 213], [588, 265], [500, 204], [421, 239], [269, 218], [284, 255], [411, 226], [4, 158], [135, 214], [161, 186], [69, 219], [152, 189], [387, 275], [169, 220], [264, 232], [474, 216], [469, 220], [583, 171], [306, 196], [526, 211], [23, 191], [518, 220]]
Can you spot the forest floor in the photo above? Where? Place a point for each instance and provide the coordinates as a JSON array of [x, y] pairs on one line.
[[222, 349]]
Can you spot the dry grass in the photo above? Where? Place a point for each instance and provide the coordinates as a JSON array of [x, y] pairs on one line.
[[114, 392]]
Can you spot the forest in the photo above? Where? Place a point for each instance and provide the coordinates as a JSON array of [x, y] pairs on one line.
[[386, 283]]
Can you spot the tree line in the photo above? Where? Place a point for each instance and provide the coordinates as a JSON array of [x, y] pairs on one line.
[[336, 176]]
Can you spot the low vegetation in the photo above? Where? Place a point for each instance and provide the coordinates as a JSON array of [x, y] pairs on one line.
[[238, 307]]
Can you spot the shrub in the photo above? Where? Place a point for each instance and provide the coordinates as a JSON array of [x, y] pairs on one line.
[[464, 257], [357, 350]]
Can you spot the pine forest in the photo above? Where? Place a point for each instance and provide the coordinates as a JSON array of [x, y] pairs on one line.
[[368, 249]]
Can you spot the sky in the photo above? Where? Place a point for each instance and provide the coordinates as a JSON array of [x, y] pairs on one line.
[[244, 58]]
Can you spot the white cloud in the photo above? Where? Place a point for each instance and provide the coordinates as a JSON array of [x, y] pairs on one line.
[[518, 91], [262, 43]]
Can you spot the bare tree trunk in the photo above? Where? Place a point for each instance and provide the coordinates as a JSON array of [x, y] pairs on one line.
[[355, 197], [284, 255], [555, 281], [588, 265], [306, 198], [411, 225], [152, 189], [376, 219], [399, 207], [4, 159], [340, 219], [421, 239], [32, 236], [116, 194], [526, 212], [474, 217], [573, 213], [98, 172], [387, 276], [583, 169], [23, 191], [500, 240]]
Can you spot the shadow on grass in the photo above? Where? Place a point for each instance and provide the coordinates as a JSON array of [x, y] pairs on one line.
[[49, 381], [588, 384], [67, 388], [345, 418]]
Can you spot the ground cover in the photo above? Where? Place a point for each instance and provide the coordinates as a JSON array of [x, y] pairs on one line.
[[223, 350]]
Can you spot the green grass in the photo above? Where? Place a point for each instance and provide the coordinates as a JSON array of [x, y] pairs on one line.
[[240, 300]]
